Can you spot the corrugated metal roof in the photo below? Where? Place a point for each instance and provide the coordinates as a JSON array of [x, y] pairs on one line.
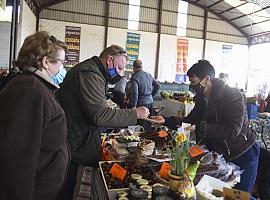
[[250, 17], [244, 15]]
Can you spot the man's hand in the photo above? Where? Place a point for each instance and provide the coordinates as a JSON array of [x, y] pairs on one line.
[[156, 119], [142, 112]]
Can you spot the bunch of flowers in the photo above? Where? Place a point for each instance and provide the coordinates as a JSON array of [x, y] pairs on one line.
[[180, 154]]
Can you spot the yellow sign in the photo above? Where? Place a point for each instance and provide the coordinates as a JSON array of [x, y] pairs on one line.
[[3, 4], [233, 194]]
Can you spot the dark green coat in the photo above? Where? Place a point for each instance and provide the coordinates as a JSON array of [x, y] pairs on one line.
[[82, 96]]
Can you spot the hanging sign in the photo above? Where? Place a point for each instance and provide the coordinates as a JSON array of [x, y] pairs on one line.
[[72, 40], [182, 56], [132, 47]]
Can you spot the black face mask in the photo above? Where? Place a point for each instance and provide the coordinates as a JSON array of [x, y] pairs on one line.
[[198, 89]]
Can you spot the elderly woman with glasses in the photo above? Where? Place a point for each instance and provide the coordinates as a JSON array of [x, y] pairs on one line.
[[33, 150]]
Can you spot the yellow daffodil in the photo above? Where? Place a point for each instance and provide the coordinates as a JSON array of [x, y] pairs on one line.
[[180, 138]]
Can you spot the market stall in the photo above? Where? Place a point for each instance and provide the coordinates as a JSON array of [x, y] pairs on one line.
[[139, 165]]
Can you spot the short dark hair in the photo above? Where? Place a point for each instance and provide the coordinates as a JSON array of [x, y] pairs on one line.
[[137, 64], [201, 69], [113, 50]]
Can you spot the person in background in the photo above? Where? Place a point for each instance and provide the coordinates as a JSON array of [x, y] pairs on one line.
[[83, 98], [142, 87], [119, 92], [196, 114], [33, 149], [223, 125], [267, 101]]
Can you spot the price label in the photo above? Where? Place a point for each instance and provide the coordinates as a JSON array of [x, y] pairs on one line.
[[118, 172], [164, 170], [233, 194], [195, 151], [162, 134]]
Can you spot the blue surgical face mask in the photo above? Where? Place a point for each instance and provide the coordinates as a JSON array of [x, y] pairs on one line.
[[112, 72], [59, 77]]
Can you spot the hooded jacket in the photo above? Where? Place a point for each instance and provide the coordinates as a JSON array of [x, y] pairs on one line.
[[224, 127], [83, 98], [33, 149]]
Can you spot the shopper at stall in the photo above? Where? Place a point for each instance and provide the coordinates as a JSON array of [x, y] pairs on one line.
[[142, 88], [83, 97], [223, 126], [33, 150], [196, 114]]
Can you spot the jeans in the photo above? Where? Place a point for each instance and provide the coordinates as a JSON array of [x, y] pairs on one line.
[[249, 163], [68, 188]]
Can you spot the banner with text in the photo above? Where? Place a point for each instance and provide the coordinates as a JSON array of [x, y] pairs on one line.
[[132, 48], [72, 39], [182, 56]]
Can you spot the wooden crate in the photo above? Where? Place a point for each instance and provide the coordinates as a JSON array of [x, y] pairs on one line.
[[112, 193]]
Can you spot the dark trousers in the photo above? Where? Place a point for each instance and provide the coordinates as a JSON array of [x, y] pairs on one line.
[[71, 180], [249, 163], [263, 177], [145, 124]]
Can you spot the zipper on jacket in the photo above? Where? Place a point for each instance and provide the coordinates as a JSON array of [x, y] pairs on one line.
[[244, 136], [228, 149]]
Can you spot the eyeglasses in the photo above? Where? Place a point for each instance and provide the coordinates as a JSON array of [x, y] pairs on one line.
[[52, 39], [64, 62]]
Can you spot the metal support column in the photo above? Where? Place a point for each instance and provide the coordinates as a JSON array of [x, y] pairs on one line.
[[158, 38], [14, 32], [205, 32], [107, 6]]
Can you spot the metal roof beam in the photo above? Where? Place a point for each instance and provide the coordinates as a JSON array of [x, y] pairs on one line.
[[255, 23], [45, 5], [249, 13], [221, 17], [232, 8], [214, 4], [260, 38]]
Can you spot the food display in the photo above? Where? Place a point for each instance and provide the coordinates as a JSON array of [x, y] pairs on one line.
[[115, 182], [185, 97], [132, 138], [137, 175]]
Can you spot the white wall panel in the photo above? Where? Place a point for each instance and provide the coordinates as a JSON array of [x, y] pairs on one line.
[[92, 37], [167, 59], [195, 48], [27, 24], [239, 61], [4, 43]]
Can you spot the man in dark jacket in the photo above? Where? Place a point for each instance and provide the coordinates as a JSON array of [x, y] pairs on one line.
[[142, 87], [83, 98], [223, 127]]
